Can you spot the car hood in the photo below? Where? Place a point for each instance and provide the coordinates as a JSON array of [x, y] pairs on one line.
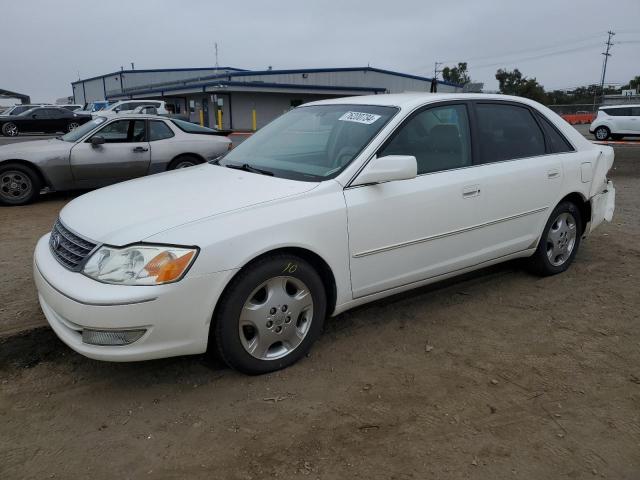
[[132, 211], [34, 149]]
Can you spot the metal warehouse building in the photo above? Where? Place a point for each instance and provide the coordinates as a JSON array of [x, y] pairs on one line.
[[243, 99]]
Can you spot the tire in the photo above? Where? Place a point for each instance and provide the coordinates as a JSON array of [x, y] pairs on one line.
[[72, 126], [183, 161], [19, 184], [10, 129], [602, 133], [559, 241], [264, 321]]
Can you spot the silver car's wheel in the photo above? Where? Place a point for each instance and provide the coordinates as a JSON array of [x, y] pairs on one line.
[[276, 318], [72, 126], [184, 164], [10, 129], [561, 239], [602, 133], [15, 186]]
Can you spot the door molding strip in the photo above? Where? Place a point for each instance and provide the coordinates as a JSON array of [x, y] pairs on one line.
[[446, 234]]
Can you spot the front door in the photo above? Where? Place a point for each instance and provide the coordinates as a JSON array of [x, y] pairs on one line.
[[407, 231], [124, 155]]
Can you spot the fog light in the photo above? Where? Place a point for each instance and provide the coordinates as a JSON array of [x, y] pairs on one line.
[[111, 337]]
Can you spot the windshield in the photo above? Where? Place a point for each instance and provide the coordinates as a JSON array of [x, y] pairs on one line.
[[82, 130], [312, 143]]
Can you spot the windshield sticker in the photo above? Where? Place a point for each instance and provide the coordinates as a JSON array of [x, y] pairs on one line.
[[359, 117]]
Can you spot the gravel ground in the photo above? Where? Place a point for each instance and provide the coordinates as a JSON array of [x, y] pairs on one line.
[[496, 375]]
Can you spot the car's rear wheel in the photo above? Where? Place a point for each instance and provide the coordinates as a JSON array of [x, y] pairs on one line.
[[559, 242], [19, 184], [184, 161], [72, 126], [10, 129], [270, 315], [602, 133]]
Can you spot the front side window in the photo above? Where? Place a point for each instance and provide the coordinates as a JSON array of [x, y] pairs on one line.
[[159, 130], [438, 137], [311, 143], [123, 131], [507, 132]]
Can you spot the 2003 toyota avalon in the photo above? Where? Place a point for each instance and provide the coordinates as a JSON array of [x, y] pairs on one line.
[[332, 205]]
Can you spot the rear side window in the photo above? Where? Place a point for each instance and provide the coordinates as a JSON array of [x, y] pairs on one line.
[[557, 142], [438, 137], [618, 112], [635, 111], [159, 130], [507, 132], [192, 127]]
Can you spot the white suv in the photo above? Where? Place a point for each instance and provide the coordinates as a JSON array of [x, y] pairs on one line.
[[616, 122], [128, 105]]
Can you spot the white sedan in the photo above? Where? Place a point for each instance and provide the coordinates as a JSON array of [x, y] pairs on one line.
[[335, 204]]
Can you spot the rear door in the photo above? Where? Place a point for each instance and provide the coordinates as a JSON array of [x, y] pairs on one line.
[[124, 155], [520, 175]]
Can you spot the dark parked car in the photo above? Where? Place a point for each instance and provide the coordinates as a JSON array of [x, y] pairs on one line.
[[42, 120]]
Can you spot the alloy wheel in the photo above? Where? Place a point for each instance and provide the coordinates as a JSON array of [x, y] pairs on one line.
[[276, 318], [602, 133], [72, 126], [561, 239], [11, 129]]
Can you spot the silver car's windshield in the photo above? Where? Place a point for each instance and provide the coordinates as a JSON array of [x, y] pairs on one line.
[[82, 130], [311, 143]]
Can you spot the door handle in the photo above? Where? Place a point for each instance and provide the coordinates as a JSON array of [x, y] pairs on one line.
[[470, 191], [553, 173], [140, 149]]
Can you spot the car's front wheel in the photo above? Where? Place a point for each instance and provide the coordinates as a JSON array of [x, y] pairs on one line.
[[602, 133], [19, 184], [559, 242], [10, 129], [270, 314]]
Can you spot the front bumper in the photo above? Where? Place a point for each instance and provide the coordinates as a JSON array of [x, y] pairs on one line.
[[603, 205], [176, 316]]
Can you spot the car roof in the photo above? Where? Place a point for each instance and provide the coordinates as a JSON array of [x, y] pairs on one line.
[[415, 99], [134, 115]]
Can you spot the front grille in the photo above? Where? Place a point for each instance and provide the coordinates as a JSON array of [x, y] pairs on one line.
[[68, 248]]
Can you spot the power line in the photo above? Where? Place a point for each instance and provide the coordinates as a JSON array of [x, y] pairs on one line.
[[536, 57]]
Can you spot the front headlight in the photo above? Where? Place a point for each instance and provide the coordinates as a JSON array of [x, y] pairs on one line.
[[139, 264]]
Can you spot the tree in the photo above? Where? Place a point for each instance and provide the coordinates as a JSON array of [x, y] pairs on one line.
[[633, 84], [458, 74], [514, 83]]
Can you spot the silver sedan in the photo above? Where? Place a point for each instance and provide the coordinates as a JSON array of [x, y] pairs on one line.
[[102, 152]]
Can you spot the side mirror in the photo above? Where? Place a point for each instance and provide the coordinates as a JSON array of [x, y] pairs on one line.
[[97, 140], [388, 169]]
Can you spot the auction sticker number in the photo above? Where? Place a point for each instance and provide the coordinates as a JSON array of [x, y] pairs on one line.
[[359, 117]]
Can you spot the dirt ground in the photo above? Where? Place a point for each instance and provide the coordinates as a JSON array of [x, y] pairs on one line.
[[498, 375]]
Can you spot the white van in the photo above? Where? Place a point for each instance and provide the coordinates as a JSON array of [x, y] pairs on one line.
[[129, 105]]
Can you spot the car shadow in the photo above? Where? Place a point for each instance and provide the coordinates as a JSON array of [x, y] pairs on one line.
[[40, 347]]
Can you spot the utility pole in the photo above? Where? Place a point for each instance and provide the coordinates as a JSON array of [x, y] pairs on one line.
[[215, 46], [133, 66], [606, 54], [434, 80]]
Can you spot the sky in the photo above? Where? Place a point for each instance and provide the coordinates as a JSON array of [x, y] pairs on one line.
[[557, 41]]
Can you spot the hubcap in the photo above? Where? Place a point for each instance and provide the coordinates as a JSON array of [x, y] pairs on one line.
[[73, 126], [276, 318], [601, 133], [15, 185], [11, 130], [561, 239]]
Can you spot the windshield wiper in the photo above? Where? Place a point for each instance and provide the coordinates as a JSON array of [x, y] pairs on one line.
[[248, 168]]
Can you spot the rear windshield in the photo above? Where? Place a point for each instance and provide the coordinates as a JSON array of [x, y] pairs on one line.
[[192, 127]]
